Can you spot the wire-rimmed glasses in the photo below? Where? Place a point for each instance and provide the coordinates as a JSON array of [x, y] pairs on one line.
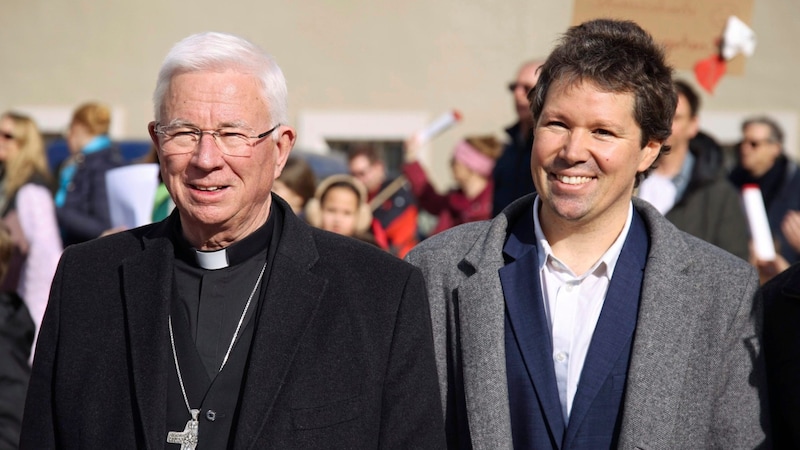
[[232, 141]]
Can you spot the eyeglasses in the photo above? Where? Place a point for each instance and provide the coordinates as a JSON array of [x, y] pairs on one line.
[[181, 139], [756, 144], [6, 135], [514, 86]]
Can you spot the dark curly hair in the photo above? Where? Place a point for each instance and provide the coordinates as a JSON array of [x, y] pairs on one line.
[[616, 56]]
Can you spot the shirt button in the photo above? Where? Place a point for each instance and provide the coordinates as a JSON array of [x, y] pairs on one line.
[[211, 415], [568, 288], [561, 356]]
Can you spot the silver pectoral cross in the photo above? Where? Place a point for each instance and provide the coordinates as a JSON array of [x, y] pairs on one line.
[[188, 437]]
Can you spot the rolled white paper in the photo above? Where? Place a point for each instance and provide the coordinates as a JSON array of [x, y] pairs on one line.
[[763, 246], [439, 125]]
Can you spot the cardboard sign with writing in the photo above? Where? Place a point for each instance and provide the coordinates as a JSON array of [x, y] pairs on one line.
[[690, 30]]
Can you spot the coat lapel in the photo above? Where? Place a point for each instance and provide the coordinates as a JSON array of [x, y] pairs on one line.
[[666, 325], [616, 325], [146, 286], [292, 296], [523, 296], [479, 309], [481, 323]]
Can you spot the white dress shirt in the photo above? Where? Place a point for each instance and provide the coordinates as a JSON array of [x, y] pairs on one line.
[[572, 304]]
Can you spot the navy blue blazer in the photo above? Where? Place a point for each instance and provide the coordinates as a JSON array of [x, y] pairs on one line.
[[595, 418]]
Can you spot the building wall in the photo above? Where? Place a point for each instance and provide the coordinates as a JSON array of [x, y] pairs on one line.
[[414, 58]]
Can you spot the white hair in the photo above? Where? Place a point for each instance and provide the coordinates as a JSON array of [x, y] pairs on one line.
[[212, 51]]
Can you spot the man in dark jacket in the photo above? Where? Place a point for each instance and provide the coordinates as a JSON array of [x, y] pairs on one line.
[[512, 173], [232, 323], [763, 162], [690, 186]]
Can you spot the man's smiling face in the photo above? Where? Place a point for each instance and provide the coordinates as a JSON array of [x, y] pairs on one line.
[[222, 197], [586, 154]]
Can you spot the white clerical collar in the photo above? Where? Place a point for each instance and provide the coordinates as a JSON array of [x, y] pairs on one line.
[[212, 260]]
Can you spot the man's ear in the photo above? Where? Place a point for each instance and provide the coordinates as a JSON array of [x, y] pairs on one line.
[[151, 128], [694, 127], [283, 146], [648, 155]]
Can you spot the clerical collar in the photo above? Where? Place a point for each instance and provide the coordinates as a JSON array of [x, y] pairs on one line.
[[236, 253], [212, 260]]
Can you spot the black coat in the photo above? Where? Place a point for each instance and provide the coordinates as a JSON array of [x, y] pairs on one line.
[[512, 172], [16, 337], [342, 355], [780, 299]]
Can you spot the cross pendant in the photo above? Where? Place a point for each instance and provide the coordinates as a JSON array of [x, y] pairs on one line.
[[188, 437]]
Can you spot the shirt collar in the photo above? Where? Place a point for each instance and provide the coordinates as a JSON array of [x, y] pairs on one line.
[[234, 254], [604, 266]]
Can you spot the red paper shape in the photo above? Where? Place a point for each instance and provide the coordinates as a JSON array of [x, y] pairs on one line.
[[709, 71]]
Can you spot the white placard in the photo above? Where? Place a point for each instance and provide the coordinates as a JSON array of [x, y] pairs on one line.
[[131, 194]]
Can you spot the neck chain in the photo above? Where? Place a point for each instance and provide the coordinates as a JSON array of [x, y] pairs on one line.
[[188, 437]]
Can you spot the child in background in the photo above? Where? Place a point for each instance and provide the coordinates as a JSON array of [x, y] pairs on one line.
[[296, 184], [340, 206]]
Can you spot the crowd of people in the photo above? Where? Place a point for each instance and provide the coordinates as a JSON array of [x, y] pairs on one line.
[[589, 282]]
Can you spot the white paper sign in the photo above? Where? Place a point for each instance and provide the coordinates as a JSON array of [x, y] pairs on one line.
[[131, 194]]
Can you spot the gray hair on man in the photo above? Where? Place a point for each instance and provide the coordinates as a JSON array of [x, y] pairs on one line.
[[219, 52]]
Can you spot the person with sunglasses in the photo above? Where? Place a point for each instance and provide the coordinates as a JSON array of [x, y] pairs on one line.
[[762, 161], [512, 174], [28, 212]]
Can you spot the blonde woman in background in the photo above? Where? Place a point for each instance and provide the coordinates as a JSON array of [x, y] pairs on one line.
[[28, 212], [81, 200]]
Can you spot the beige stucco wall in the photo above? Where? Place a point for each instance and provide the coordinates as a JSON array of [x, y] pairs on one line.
[[414, 56]]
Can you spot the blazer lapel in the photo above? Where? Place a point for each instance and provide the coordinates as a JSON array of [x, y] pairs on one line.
[[615, 326], [523, 296], [146, 286], [292, 296]]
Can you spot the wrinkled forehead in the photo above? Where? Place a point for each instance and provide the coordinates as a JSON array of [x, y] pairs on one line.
[[227, 96]]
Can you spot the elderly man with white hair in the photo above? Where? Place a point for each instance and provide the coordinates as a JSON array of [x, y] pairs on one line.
[[232, 323]]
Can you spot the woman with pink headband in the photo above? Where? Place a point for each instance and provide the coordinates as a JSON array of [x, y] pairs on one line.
[[472, 164]]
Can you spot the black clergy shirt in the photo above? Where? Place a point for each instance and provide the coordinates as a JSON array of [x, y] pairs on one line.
[[206, 308]]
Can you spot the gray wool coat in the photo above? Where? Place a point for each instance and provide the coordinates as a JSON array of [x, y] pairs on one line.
[[696, 375]]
